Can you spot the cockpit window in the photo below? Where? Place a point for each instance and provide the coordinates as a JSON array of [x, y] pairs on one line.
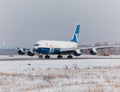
[[36, 44]]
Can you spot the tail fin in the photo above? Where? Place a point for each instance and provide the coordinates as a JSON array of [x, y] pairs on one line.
[[75, 35]]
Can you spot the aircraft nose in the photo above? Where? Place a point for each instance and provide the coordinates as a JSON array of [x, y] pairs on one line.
[[35, 48]]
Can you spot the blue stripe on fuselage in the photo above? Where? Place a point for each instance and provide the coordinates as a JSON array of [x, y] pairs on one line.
[[43, 50], [48, 50], [56, 50]]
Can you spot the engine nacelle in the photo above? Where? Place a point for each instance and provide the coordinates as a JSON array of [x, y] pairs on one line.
[[30, 53], [93, 51], [77, 52], [21, 51]]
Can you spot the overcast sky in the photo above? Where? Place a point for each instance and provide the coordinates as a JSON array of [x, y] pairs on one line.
[[23, 22]]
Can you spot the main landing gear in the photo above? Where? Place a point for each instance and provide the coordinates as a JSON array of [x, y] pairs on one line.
[[70, 56], [47, 57], [59, 56]]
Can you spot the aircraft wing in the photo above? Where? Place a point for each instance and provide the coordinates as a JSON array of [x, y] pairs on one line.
[[93, 50], [98, 47]]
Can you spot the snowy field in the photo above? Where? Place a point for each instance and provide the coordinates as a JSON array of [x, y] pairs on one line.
[[76, 75]]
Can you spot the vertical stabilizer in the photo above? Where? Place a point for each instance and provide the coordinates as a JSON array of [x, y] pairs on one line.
[[75, 35]]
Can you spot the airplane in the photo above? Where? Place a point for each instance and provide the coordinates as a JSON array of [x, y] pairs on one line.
[[48, 47]]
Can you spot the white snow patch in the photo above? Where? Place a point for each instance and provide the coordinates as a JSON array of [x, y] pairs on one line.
[[75, 75]]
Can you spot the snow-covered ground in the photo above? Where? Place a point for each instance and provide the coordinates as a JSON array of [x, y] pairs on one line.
[[75, 75]]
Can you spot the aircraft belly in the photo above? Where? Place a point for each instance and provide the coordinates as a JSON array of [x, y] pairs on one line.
[[66, 52]]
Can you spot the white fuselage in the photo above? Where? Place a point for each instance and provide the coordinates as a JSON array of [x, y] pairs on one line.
[[54, 47]]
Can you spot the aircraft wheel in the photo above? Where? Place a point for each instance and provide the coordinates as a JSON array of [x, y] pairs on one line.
[[69, 56], [40, 56], [59, 56], [47, 57]]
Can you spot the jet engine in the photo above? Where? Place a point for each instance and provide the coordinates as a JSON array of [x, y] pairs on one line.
[[21, 51], [77, 52], [93, 51], [30, 53]]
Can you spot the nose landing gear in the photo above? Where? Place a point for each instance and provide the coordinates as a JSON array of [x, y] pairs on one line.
[[40, 56]]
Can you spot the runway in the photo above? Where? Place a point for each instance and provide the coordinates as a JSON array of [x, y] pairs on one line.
[[24, 58], [28, 63]]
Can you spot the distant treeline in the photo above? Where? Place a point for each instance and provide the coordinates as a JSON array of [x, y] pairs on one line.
[[8, 51]]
